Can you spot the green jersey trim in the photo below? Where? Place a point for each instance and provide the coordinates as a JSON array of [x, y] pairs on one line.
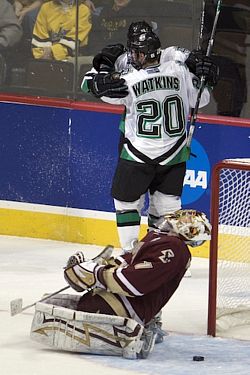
[[180, 155], [122, 122], [85, 86], [128, 155]]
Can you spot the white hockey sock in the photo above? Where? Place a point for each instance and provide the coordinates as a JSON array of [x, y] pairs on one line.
[[128, 236]]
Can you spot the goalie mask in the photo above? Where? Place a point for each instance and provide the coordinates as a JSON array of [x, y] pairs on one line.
[[190, 225], [147, 43]]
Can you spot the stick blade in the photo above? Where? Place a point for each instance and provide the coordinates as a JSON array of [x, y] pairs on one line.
[[16, 306]]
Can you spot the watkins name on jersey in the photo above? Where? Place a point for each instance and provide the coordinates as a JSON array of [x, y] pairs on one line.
[[156, 83]]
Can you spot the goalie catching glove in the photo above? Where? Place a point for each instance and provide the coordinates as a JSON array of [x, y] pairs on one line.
[[108, 56], [85, 276], [203, 66], [103, 258], [76, 258], [107, 84]]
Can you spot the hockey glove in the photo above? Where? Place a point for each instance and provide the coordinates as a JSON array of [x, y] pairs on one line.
[[201, 65], [85, 276], [110, 85], [108, 56], [208, 69], [76, 258], [101, 259]]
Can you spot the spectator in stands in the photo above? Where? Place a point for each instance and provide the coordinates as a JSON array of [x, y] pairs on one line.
[[10, 34], [230, 49], [22, 7], [111, 21], [26, 12], [90, 4], [10, 30], [54, 34]]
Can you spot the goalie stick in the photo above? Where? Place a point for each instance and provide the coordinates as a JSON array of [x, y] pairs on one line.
[[16, 305], [202, 81]]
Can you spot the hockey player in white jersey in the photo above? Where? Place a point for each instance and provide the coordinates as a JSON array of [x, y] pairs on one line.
[[115, 58], [154, 154]]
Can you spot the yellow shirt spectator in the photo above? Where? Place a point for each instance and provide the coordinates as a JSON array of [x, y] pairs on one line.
[[55, 28]]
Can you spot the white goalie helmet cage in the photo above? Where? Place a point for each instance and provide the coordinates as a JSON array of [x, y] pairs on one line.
[[191, 225]]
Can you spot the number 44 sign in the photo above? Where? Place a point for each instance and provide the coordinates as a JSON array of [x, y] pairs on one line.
[[197, 174], [196, 178]]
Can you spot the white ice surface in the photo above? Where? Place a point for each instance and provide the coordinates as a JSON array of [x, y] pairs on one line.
[[30, 268]]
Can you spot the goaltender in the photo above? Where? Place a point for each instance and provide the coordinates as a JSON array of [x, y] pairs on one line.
[[119, 298]]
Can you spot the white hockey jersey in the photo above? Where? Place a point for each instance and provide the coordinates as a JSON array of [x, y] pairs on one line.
[[123, 63], [168, 54], [157, 110]]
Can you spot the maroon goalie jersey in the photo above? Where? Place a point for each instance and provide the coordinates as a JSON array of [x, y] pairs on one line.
[[153, 274], [144, 281]]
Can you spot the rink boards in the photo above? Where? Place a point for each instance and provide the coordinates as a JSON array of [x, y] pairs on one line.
[[58, 159]]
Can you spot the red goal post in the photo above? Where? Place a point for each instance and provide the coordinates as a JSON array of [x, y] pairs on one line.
[[229, 264]]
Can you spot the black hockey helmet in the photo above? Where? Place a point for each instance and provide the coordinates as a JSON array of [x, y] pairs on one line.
[[147, 43], [137, 28]]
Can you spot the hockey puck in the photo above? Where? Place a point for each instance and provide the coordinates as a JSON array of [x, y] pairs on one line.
[[198, 358]]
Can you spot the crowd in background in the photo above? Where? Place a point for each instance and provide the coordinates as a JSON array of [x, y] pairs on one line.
[[47, 30]]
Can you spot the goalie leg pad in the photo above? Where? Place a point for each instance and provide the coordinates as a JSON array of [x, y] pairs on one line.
[[70, 301], [82, 332]]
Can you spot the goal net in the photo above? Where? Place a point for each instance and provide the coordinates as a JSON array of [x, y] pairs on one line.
[[229, 273]]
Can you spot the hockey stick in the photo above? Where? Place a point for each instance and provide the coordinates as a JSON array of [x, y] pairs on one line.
[[202, 21], [202, 81], [16, 305]]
